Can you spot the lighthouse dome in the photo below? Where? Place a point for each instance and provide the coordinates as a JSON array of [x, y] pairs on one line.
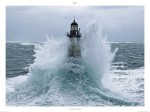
[[74, 23]]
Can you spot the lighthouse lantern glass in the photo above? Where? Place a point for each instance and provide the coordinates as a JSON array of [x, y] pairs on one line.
[[74, 27]]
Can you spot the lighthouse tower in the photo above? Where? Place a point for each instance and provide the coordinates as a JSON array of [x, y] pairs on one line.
[[74, 37]]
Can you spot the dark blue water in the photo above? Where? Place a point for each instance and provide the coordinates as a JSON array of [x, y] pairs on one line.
[[74, 83], [131, 54], [20, 56]]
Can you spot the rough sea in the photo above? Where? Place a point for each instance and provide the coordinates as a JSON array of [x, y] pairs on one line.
[[106, 74]]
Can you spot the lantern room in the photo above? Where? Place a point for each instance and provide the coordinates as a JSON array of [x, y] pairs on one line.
[[74, 31], [74, 25]]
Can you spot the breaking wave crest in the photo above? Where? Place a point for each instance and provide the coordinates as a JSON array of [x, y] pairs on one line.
[[57, 80]]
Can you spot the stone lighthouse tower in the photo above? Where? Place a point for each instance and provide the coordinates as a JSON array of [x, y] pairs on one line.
[[74, 37]]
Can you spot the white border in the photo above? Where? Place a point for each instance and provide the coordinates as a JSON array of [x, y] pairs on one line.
[[5, 3]]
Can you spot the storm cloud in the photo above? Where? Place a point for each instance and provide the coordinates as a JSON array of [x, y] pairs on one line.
[[31, 23]]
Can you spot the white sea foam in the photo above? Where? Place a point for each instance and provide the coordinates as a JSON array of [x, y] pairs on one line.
[[54, 79], [13, 82], [129, 83], [30, 43]]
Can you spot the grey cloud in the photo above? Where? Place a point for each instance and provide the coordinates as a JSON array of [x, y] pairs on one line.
[[27, 23]]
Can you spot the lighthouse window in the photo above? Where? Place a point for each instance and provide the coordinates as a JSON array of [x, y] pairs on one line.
[[74, 27]]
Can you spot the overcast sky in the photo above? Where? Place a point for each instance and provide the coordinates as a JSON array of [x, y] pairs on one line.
[[30, 24]]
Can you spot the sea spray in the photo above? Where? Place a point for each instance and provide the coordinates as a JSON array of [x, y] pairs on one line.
[[49, 58], [96, 51], [57, 80]]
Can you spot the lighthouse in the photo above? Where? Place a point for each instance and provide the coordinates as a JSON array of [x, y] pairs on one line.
[[74, 37]]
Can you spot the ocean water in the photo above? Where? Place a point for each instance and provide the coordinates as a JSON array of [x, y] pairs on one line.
[[106, 74]]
